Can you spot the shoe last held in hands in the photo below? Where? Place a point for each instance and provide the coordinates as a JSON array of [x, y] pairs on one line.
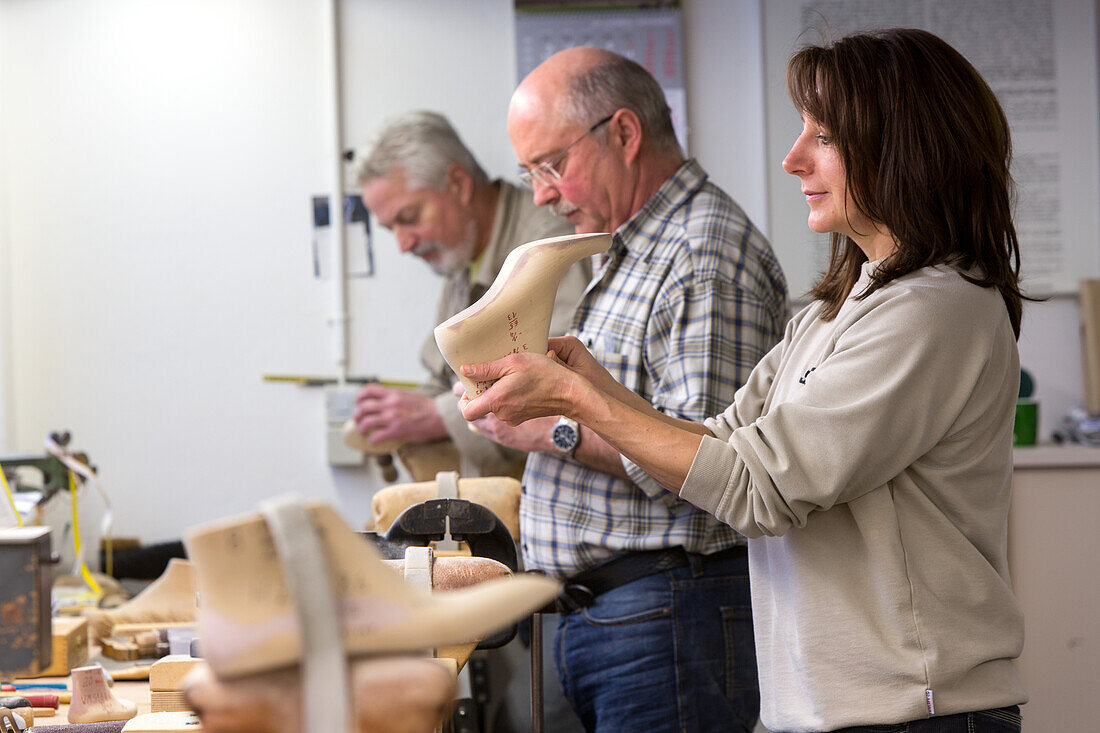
[[514, 314]]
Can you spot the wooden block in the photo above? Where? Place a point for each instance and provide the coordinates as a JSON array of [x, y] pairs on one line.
[[27, 714], [120, 543], [1090, 343], [119, 648], [168, 702], [70, 646], [132, 645], [147, 639], [45, 712], [160, 722], [166, 675]]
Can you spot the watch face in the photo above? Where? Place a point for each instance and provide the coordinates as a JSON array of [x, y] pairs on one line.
[[565, 438]]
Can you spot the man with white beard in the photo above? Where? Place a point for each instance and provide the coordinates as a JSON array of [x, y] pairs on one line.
[[420, 181]]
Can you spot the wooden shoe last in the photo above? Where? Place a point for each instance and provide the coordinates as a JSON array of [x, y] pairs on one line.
[[513, 316], [248, 623], [169, 598], [93, 701], [391, 695]]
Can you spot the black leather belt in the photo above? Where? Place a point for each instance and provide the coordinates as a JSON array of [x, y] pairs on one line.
[[582, 589]]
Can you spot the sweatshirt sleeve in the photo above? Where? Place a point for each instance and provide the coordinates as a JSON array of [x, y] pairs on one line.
[[892, 386]]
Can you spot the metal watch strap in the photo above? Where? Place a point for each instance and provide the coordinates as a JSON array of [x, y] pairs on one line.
[[573, 426]]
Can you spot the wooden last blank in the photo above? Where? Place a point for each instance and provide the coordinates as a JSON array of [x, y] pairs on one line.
[[93, 701], [166, 675], [513, 316]]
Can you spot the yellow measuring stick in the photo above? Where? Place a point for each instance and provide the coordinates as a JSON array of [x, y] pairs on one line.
[[307, 380]]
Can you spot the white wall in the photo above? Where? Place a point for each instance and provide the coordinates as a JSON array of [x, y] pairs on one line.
[[462, 63], [456, 58], [5, 289], [156, 166], [1050, 349], [724, 60], [159, 163]]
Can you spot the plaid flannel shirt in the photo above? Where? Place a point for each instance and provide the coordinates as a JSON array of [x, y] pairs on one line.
[[682, 307]]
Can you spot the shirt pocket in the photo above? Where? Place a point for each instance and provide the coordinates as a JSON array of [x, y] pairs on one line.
[[625, 368]]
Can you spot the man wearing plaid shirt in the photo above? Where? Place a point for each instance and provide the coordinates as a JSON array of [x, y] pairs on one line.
[[656, 625]]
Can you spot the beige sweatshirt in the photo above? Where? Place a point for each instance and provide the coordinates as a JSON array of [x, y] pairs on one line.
[[869, 459]]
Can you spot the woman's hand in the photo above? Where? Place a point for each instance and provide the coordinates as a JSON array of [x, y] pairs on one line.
[[526, 386], [569, 381], [571, 352]]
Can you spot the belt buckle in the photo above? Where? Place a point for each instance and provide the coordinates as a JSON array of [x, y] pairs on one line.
[[574, 597]]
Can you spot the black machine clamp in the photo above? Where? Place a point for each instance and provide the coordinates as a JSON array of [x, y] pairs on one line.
[[438, 520]]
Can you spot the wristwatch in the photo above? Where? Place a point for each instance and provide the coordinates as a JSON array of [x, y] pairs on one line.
[[566, 436]]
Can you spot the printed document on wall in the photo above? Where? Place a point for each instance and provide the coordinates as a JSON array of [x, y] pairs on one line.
[[1039, 57]]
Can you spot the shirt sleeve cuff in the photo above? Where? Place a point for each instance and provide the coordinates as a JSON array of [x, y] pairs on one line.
[[714, 463]]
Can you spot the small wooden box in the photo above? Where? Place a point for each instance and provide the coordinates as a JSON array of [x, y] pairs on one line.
[[70, 646], [26, 577]]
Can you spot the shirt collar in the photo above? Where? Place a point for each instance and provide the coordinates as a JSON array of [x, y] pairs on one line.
[[637, 233], [484, 276]]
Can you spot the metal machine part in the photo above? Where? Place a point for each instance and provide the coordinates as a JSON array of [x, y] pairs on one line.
[[54, 474], [26, 576], [463, 521]]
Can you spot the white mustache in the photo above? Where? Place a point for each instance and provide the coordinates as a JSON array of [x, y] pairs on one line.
[[424, 248], [563, 208]]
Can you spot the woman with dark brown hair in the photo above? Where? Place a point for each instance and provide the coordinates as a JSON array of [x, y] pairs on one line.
[[869, 456]]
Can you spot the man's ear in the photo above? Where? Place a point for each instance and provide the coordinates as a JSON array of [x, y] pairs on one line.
[[625, 132], [460, 183]]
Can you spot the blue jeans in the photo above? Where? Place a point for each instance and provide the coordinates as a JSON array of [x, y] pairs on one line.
[[1001, 720], [672, 651]]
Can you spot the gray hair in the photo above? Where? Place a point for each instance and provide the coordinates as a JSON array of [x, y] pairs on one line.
[[615, 83], [423, 145]]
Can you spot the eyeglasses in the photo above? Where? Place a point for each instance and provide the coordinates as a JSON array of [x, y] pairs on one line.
[[547, 171]]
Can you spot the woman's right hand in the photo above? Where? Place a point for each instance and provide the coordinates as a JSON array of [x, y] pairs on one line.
[[569, 351], [524, 386]]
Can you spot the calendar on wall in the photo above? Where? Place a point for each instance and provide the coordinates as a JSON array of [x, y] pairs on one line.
[[649, 35]]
